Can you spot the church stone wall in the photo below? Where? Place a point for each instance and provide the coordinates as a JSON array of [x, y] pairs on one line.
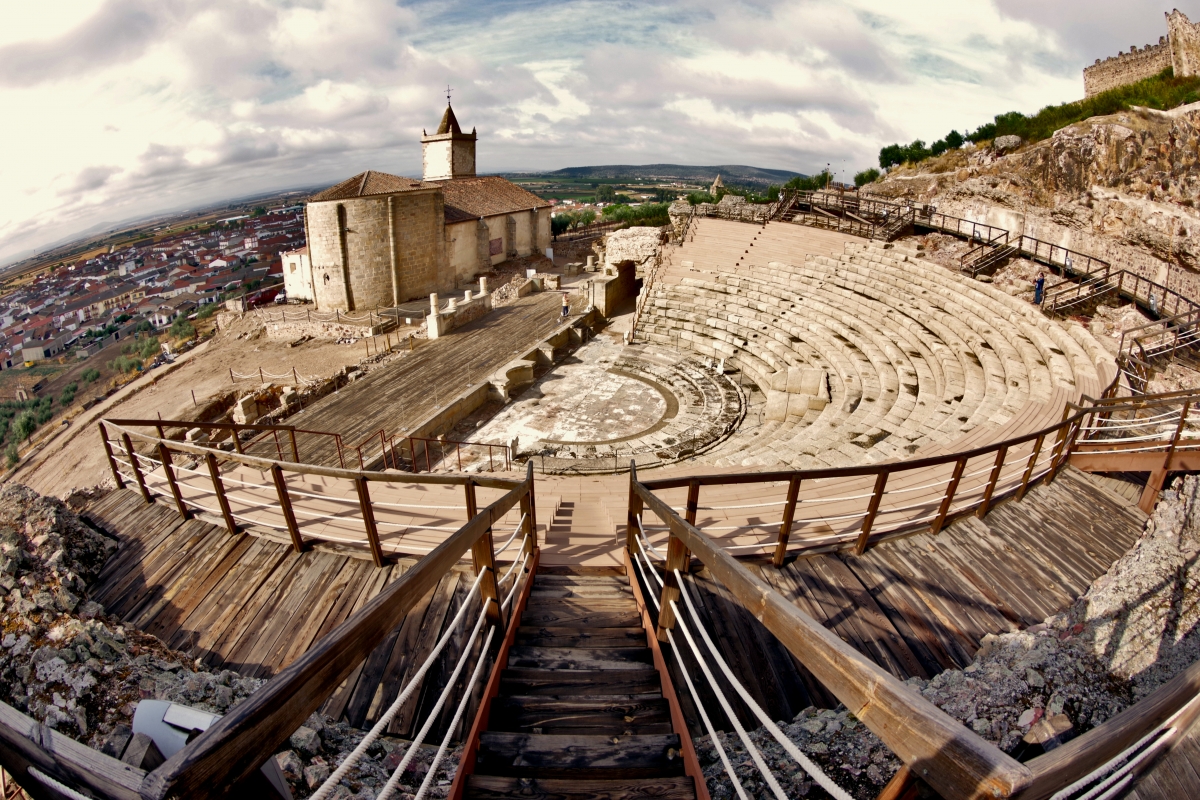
[[351, 249]]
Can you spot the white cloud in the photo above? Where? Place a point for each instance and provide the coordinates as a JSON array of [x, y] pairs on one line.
[[123, 108]]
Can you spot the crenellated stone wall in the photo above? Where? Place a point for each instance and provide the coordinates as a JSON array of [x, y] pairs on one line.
[[1179, 49]]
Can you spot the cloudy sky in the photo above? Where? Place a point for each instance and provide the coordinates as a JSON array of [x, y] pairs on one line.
[[116, 109]]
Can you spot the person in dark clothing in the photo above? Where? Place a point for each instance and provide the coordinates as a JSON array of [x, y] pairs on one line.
[[1039, 286]]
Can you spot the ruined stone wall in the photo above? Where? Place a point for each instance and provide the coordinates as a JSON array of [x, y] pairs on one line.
[[1185, 44], [326, 235], [462, 250], [297, 276], [1126, 68]]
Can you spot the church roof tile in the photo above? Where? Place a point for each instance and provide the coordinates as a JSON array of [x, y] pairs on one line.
[[471, 198], [369, 183]]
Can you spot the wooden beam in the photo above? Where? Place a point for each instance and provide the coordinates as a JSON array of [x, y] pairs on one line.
[[954, 760], [785, 527], [112, 461], [164, 455], [634, 511], [483, 558], [677, 558], [214, 470], [285, 503], [238, 743], [1069, 762], [860, 546], [1033, 457], [368, 517], [948, 498], [137, 470], [993, 479]]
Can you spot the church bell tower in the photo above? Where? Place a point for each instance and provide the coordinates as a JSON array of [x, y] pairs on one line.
[[449, 153]]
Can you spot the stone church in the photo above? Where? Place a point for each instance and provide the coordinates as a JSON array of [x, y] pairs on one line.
[[378, 240]]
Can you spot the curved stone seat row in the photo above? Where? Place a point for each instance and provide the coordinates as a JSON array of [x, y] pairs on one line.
[[914, 353]]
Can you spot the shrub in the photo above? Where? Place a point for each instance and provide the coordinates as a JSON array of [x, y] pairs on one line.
[[90, 374], [11, 455], [150, 348], [68, 393], [646, 214], [123, 364], [206, 311], [866, 176]]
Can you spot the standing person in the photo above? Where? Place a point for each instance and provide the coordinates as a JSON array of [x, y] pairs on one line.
[[1039, 286], [566, 307]]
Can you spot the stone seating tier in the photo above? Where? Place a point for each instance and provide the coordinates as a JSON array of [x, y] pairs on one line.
[[915, 354]]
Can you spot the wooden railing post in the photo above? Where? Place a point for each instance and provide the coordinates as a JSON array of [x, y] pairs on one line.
[[677, 559], [634, 512], [483, 558], [285, 503], [785, 528], [112, 462], [1033, 457], [1159, 476], [532, 504], [164, 455], [951, 489], [1059, 446], [295, 450], [137, 470], [219, 487], [860, 546], [981, 512], [364, 504], [693, 502]]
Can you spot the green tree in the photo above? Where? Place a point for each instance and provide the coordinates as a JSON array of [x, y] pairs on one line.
[[12, 455], [182, 328], [24, 425], [90, 374], [606, 194], [149, 348], [68, 394], [866, 176]]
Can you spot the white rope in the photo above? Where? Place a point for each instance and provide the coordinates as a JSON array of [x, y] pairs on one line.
[[390, 786], [59, 787], [333, 780], [462, 705], [653, 549], [787, 744], [514, 534], [712, 734], [513, 590], [768, 776], [1119, 767]]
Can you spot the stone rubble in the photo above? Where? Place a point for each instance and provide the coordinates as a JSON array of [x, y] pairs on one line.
[[1132, 631], [64, 662]]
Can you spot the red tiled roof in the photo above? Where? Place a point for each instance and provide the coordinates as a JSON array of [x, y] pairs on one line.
[[472, 198], [368, 183]]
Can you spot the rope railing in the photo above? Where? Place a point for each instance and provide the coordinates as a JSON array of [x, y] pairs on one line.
[[238, 743]]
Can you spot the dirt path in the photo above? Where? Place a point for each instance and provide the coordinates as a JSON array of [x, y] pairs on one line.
[[75, 458]]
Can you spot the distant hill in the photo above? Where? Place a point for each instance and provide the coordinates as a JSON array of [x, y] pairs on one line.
[[730, 173]]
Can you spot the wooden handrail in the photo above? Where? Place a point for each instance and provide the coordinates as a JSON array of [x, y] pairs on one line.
[[952, 758], [1068, 763], [238, 743]]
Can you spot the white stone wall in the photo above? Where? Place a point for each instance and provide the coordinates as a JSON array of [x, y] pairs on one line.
[[437, 160], [297, 276]]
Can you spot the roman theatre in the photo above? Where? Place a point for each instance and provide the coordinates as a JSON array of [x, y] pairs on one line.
[[867, 471]]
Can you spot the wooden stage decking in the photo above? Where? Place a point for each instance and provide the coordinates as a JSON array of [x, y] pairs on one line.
[[915, 606], [397, 396]]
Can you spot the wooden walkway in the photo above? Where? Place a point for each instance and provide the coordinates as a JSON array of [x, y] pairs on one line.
[[252, 605], [922, 604], [398, 396]]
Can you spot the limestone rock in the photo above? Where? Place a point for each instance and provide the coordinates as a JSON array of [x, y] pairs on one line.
[[1003, 144], [639, 245]]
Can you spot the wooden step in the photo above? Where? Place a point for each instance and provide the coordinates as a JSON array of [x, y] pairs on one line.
[[496, 787], [579, 682], [581, 580], [611, 715], [573, 636], [566, 592], [579, 757], [581, 658], [591, 615]]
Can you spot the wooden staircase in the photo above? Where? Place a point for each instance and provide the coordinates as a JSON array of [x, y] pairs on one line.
[[581, 706]]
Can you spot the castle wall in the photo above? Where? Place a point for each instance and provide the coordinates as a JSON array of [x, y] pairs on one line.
[[1179, 49], [1185, 44], [1127, 68]]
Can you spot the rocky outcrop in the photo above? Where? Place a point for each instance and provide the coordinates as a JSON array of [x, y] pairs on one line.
[[1123, 188], [638, 245]]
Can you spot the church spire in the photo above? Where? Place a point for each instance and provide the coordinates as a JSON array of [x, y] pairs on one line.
[[449, 123]]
